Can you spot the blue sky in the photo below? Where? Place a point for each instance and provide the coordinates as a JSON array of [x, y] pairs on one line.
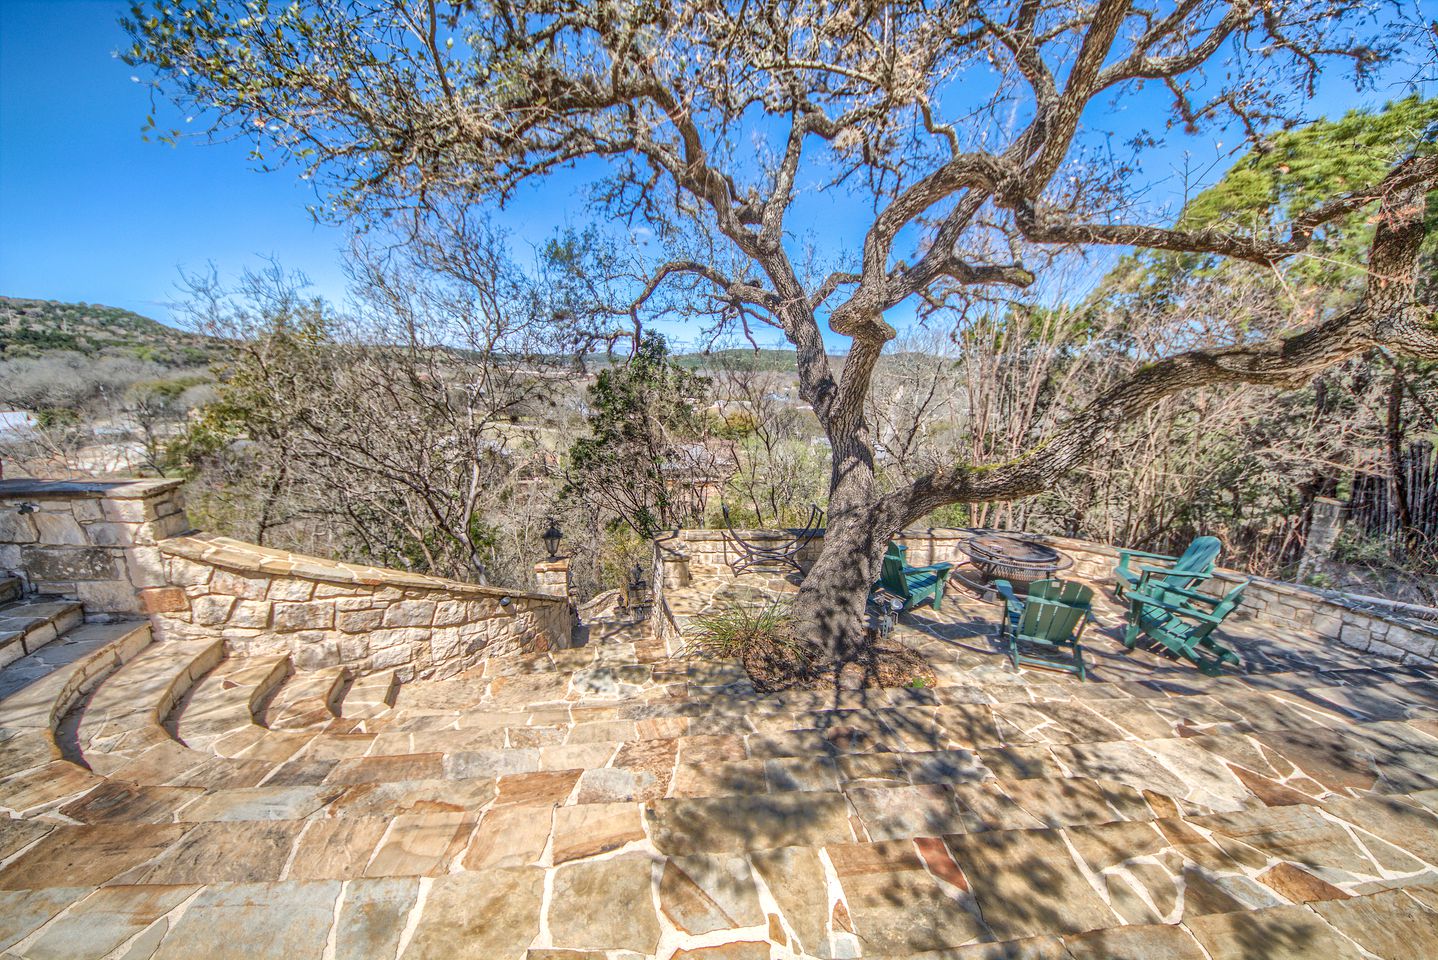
[[89, 211]]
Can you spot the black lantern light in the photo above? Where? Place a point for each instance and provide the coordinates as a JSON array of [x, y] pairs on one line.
[[638, 599], [551, 537]]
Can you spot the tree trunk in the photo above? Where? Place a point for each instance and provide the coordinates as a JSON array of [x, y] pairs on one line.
[[830, 607]]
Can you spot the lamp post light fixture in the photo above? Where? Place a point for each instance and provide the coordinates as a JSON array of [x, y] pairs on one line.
[[638, 592], [551, 538]]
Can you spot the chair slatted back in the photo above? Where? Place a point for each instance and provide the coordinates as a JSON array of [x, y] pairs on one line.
[[1054, 609], [891, 574], [1195, 563]]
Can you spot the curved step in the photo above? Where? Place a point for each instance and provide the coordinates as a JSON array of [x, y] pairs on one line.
[[40, 690], [224, 702], [121, 732], [309, 699]]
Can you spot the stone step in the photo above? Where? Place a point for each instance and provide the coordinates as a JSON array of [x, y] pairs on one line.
[[37, 768], [308, 699], [120, 730], [27, 625], [371, 696], [224, 701], [11, 589]]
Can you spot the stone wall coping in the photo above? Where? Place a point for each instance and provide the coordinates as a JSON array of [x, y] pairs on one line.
[[1371, 606], [85, 489], [266, 561]]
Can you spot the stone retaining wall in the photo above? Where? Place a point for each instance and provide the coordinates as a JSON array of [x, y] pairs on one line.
[[324, 613], [692, 556], [122, 548]]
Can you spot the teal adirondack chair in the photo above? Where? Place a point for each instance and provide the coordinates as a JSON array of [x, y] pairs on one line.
[[913, 584], [1051, 619], [1185, 572], [1183, 621]]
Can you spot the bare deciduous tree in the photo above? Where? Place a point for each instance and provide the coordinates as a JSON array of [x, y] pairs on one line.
[[711, 118]]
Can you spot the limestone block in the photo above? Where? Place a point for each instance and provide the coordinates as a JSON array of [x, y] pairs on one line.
[[446, 643], [1386, 650], [147, 566], [323, 590], [409, 613], [87, 510], [250, 613], [211, 610], [16, 527], [353, 649], [186, 573], [392, 656], [163, 600], [359, 621], [234, 584], [108, 534], [163, 527], [313, 656], [287, 588], [1421, 645], [381, 639], [167, 504], [9, 556], [108, 596], [450, 612], [317, 615], [69, 563], [126, 511], [59, 528], [353, 604]]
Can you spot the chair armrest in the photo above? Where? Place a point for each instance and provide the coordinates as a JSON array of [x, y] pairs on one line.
[[1013, 606], [1182, 611], [931, 568], [1194, 595], [1124, 555], [1172, 572]]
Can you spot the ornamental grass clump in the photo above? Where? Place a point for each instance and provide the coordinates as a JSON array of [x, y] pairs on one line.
[[761, 637]]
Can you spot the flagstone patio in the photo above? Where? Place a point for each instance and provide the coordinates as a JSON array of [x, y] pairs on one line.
[[626, 799]]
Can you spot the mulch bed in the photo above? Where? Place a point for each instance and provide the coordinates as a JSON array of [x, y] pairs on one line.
[[773, 668]]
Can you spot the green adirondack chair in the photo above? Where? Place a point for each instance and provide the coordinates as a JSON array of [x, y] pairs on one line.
[[1183, 621], [1185, 572], [913, 584], [1051, 619]]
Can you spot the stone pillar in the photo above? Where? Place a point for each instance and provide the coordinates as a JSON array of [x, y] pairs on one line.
[[553, 577], [91, 541], [1323, 530]]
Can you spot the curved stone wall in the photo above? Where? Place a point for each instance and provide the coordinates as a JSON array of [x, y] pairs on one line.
[[324, 613], [122, 548], [1397, 631]]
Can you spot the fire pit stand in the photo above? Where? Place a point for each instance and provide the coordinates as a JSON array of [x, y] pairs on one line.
[[997, 556]]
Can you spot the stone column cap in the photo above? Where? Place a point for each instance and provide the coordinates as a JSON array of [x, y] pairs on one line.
[[132, 489]]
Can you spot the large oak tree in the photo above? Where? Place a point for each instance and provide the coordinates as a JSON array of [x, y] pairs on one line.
[[967, 133]]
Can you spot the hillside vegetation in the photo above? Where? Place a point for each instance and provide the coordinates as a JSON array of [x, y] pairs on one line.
[[34, 328]]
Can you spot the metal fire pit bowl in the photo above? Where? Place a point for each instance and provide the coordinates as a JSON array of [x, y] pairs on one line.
[[997, 556]]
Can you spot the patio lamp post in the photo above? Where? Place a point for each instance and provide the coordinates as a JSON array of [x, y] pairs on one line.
[[552, 573]]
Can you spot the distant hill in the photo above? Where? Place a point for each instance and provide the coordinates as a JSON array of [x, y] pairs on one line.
[[781, 361], [32, 328]]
